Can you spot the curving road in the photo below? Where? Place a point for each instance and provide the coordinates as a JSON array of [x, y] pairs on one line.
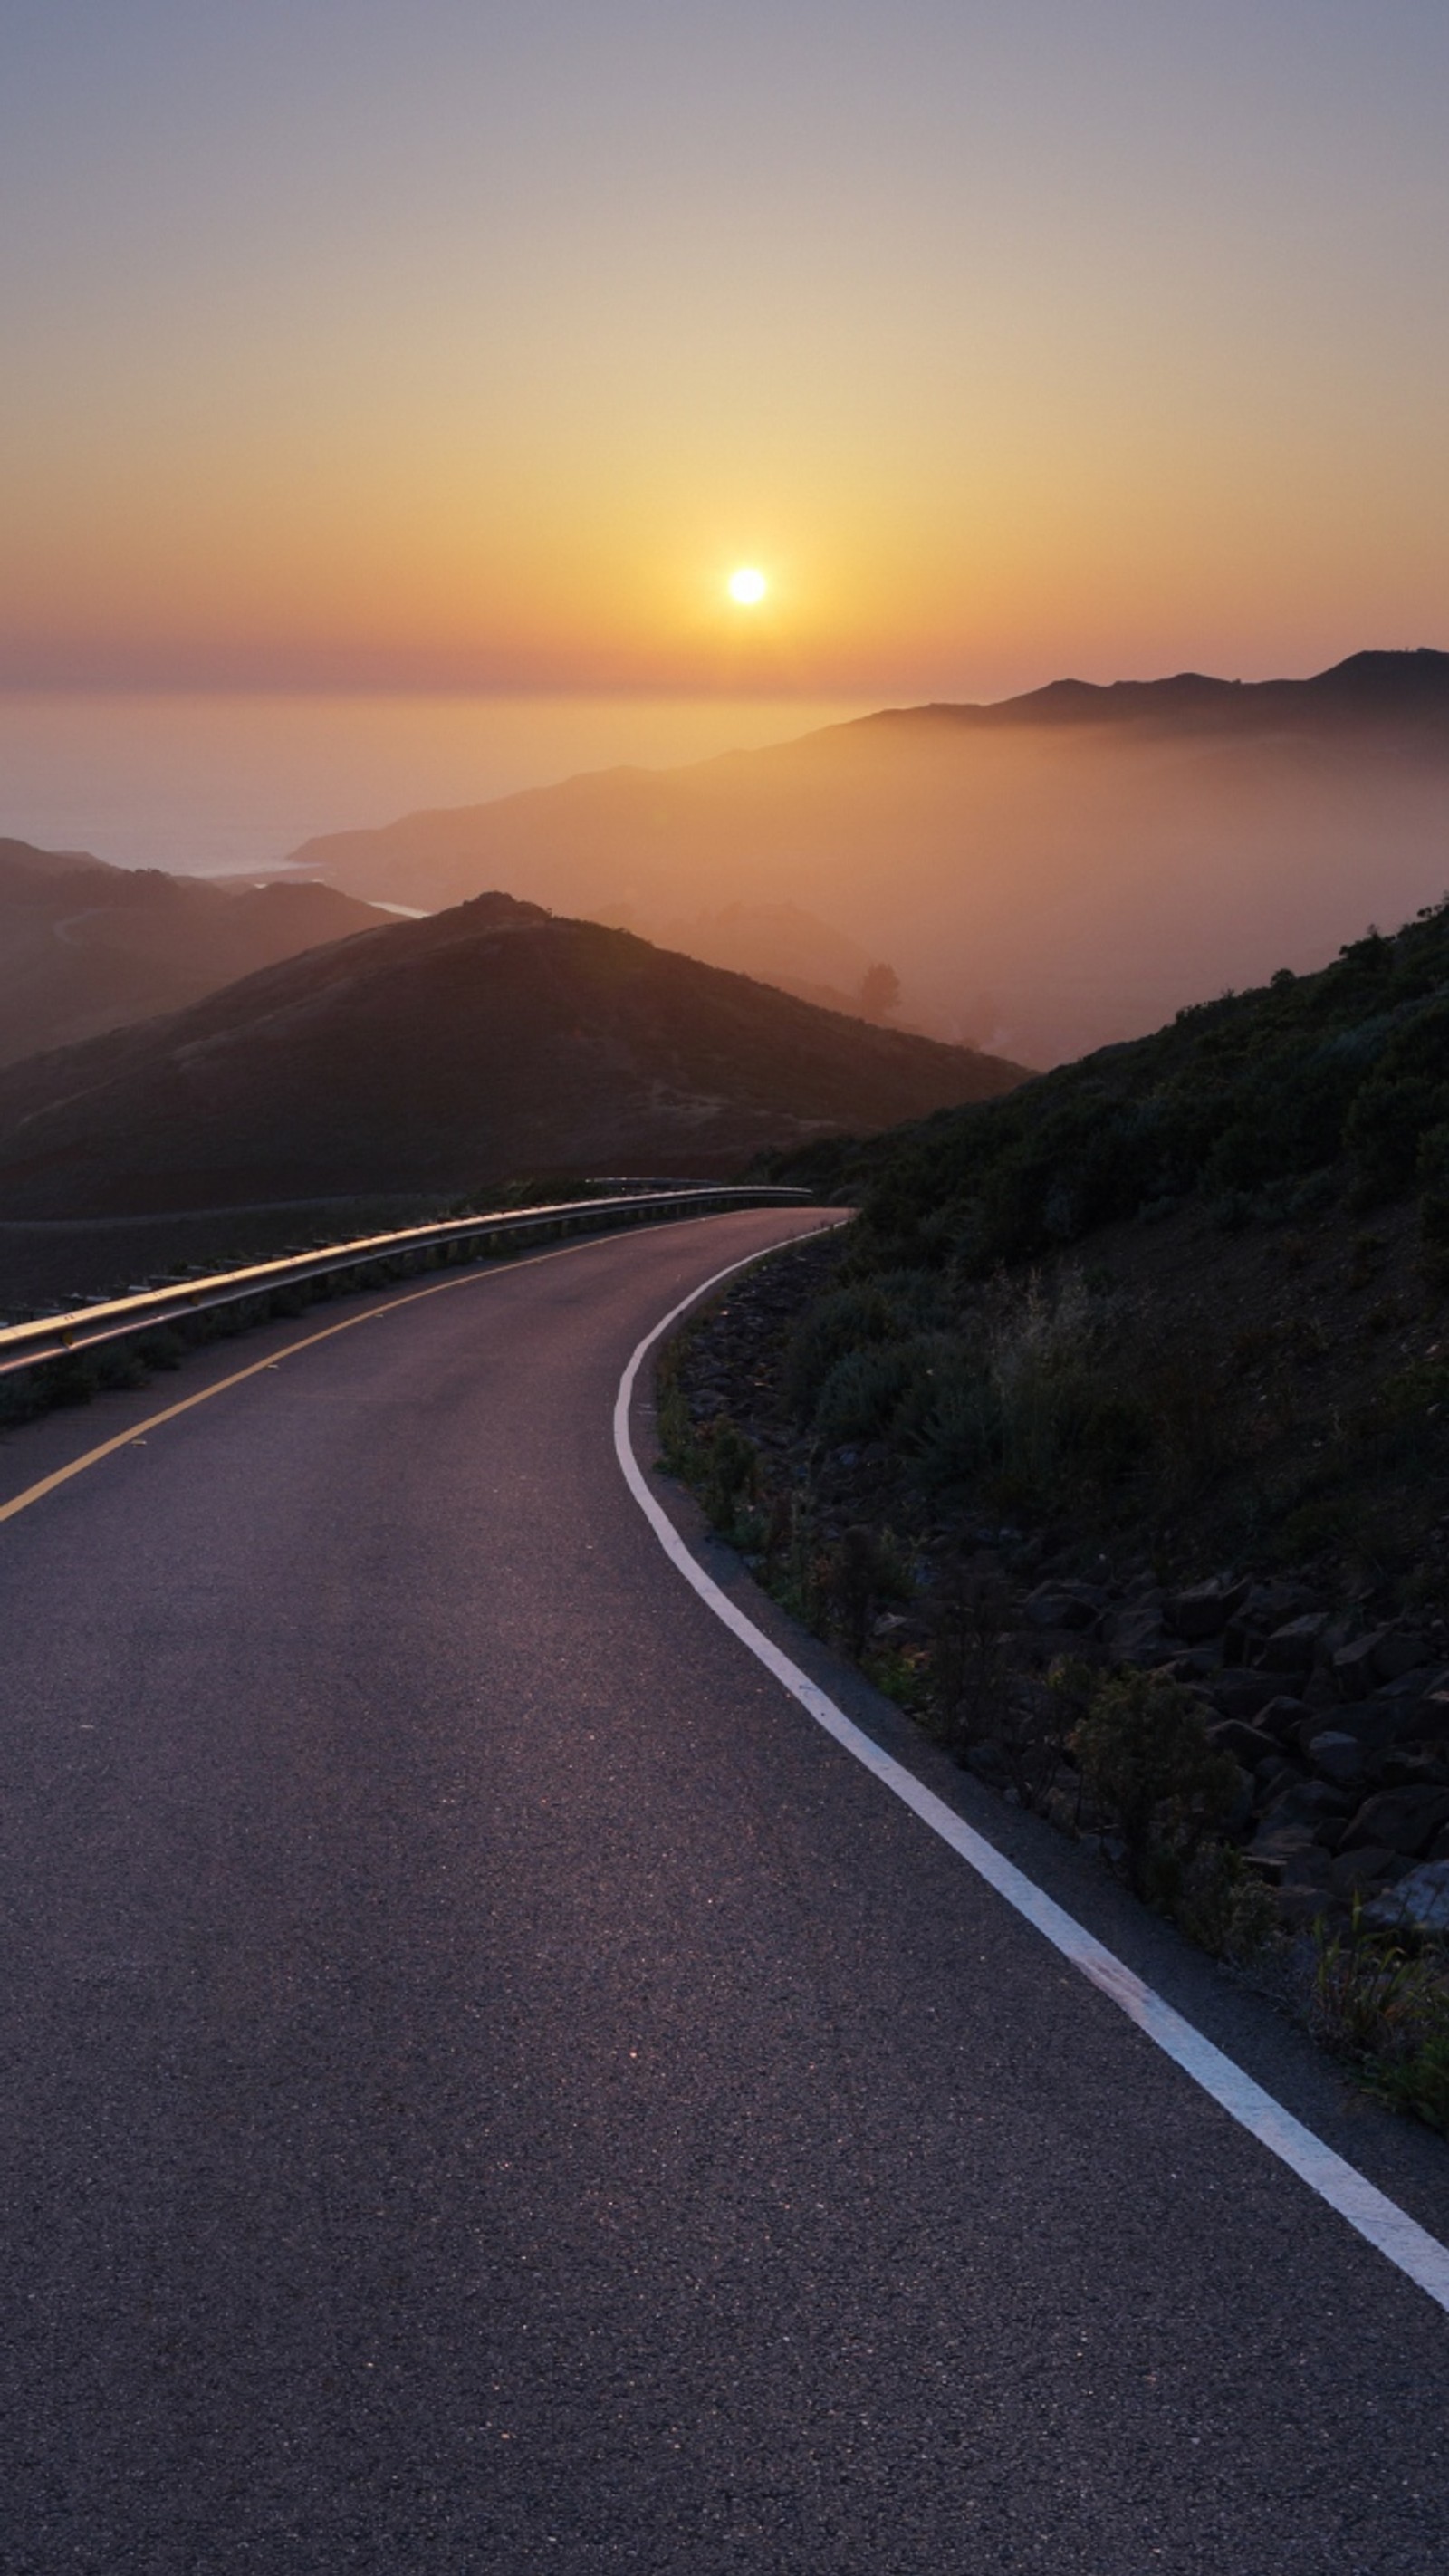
[[489, 2087]]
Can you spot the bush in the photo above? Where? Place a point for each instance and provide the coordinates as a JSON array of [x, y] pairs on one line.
[[847, 1320], [1146, 1763], [1386, 2009]]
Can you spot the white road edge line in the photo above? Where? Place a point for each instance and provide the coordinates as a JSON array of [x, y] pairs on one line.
[[1375, 2217]]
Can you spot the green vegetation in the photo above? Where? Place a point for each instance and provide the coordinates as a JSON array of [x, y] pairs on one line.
[[1247, 1102], [971, 1332], [1383, 2006]]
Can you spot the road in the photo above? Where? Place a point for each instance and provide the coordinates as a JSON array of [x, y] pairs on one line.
[[490, 2087]]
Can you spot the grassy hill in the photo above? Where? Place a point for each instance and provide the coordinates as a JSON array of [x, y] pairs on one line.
[[1047, 875], [451, 1054], [86, 947], [1226, 1248], [1113, 1438]]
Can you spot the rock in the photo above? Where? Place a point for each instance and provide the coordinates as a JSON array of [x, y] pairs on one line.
[[1305, 1887], [1245, 1743], [1204, 1610], [1196, 1664], [1439, 1847], [1431, 1718], [988, 1762], [1307, 1803], [1276, 1775], [1406, 1767], [1339, 1757], [1137, 1636], [1055, 1605], [1269, 1604], [1418, 1902], [1353, 1665], [1239, 1693], [1281, 1717], [1284, 1844], [1353, 1872], [1407, 1689], [1291, 1648], [1318, 1691], [1402, 1820], [1396, 1652]]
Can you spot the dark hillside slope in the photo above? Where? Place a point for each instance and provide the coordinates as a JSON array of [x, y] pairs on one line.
[[454, 1053], [1189, 1295], [86, 947], [1256, 1104], [1114, 1436], [1046, 876]]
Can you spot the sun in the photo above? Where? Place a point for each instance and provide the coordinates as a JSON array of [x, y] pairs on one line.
[[747, 586]]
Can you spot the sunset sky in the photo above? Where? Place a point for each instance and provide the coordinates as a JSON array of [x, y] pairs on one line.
[[469, 345]]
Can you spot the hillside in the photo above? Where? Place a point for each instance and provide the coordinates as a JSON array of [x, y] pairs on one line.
[[1145, 1367], [454, 1053], [1047, 876], [86, 947]]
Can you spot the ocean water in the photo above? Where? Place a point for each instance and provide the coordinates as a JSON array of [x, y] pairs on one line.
[[209, 783]]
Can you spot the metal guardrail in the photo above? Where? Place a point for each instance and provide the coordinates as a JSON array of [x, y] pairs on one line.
[[468, 1238]]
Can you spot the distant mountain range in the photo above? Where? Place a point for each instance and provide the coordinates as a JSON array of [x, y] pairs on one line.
[[1047, 875], [86, 947], [453, 1054]]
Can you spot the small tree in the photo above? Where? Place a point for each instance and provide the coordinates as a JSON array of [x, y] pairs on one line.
[[879, 993]]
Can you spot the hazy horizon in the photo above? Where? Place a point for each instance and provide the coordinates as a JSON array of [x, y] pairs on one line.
[[207, 781]]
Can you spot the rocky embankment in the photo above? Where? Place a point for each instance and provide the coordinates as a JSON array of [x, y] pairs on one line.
[[1338, 1725], [1333, 1712]]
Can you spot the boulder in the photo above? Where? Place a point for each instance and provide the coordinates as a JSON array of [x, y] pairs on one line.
[[1307, 1803], [1281, 1717], [1339, 1758], [1355, 1666], [1274, 1776], [1402, 1820], [1353, 1873], [1245, 1743], [1137, 1636], [1238, 1692], [1204, 1610], [1058, 1605], [1431, 1718], [1397, 1652], [1272, 1852], [1410, 1766], [1291, 1648], [987, 1761], [1417, 1902], [1367, 1727], [1306, 1887]]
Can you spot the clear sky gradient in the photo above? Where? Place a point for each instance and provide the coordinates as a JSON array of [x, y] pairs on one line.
[[468, 345]]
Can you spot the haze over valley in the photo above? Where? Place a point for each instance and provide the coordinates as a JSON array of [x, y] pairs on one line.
[[1047, 875]]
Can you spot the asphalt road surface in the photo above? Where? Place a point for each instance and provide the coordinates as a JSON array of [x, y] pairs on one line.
[[488, 2086]]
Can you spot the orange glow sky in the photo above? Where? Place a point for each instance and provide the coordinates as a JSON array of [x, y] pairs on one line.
[[468, 346]]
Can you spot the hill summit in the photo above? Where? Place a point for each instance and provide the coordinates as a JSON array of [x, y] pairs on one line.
[[450, 1054]]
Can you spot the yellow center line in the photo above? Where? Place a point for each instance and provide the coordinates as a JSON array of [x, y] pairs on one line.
[[125, 1439]]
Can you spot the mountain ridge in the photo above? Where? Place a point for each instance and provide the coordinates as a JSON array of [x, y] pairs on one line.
[[1046, 876], [86, 947], [453, 1053]]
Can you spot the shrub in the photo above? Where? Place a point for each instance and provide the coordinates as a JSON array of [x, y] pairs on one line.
[[730, 1474], [1143, 1752], [848, 1319], [1385, 2008], [860, 1396]]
